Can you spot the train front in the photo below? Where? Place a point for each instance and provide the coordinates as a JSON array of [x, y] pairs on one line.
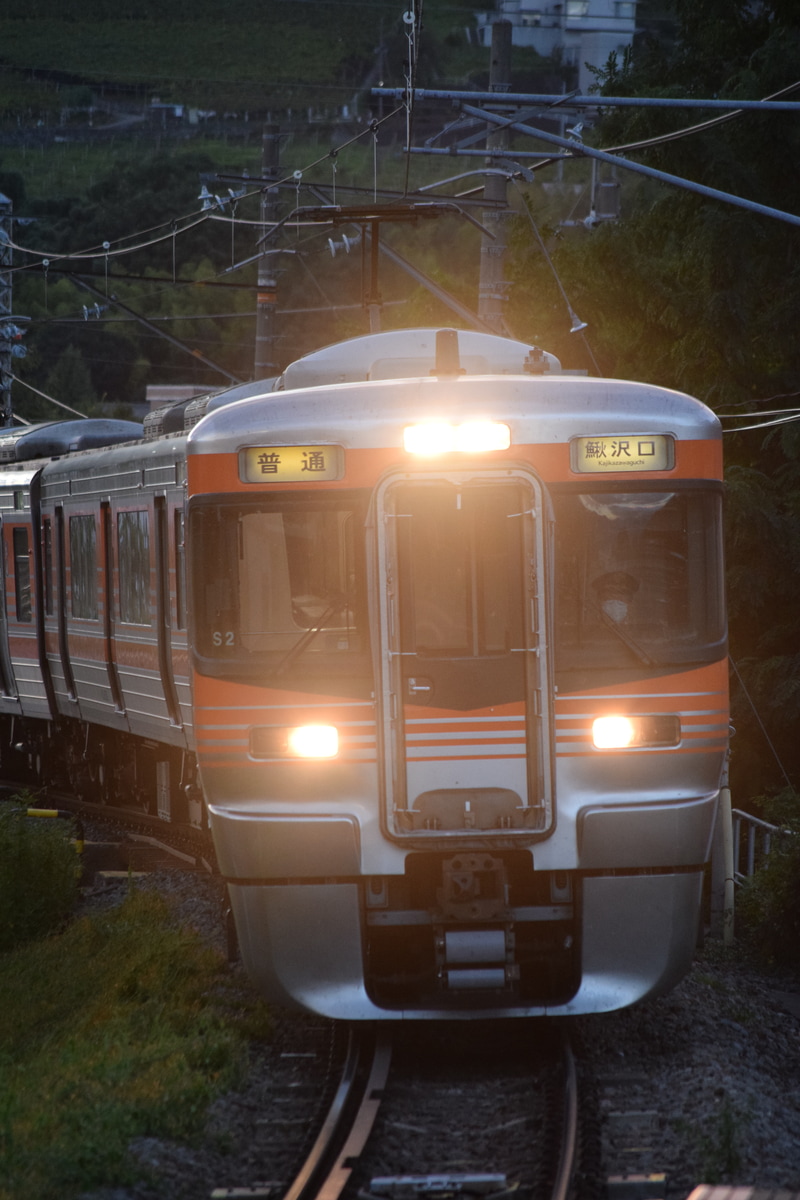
[[460, 688]]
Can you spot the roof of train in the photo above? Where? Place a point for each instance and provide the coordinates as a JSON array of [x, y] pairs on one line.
[[405, 353], [489, 376], [541, 409]]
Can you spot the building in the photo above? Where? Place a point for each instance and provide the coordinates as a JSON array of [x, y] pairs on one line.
[[577, 31]]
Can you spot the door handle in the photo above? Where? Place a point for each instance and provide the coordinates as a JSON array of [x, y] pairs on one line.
[[419, 686]]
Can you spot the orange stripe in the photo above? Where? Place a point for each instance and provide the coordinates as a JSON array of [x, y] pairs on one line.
[[694, 459]]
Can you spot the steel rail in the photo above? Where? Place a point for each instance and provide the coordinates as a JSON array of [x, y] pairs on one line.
[[350, 1118], [569, 1140]]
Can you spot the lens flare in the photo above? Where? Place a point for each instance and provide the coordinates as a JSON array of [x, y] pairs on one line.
[[613, 733], [313, 741]]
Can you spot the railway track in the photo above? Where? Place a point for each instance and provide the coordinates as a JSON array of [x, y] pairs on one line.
[[493, 1124]]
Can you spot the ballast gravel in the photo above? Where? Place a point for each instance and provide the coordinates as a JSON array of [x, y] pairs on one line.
[[700, 1086]]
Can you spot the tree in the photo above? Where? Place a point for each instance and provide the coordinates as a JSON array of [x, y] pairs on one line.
[[698, 295], [70, 381]]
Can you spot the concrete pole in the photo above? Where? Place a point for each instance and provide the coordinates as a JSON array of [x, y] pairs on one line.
[[6, 416], [492, 288], [266, 364]]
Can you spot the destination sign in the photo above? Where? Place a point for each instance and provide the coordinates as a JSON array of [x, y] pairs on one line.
[[622, 452], [291, 464]]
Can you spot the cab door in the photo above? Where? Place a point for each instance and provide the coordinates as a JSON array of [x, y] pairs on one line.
[[465, 695]]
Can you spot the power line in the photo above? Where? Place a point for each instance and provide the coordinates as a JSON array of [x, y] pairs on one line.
[[45, 396]]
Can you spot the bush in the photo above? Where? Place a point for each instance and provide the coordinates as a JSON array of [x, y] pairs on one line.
[[38, 875], [121, 1026], [768, 905]]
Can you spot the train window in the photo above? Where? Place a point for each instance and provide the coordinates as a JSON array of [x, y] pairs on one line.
[[461, 564], [133, 541], [22, 574], [280, 583], [83, 566], [638, 578]]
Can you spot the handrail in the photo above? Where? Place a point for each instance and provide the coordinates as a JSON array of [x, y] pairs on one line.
[[756, 852]]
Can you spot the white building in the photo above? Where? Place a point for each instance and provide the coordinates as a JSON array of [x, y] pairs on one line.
[[581, 30]]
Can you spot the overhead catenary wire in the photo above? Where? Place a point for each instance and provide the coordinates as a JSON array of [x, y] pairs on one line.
[[193, 219], [734, 108], [786, 420], [640, 168], [132, 243], [102, 253], [51, 399]]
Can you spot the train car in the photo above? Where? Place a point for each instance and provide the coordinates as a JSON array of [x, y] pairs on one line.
[[459, 680], [28, 707], [114, 624]]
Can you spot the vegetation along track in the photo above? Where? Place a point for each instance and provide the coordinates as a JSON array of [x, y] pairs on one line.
[[470, 1108], [122, 837]]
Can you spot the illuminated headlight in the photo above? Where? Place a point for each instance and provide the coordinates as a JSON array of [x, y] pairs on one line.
[[314, 741], [625, 733], [299, 741], [474, 437]]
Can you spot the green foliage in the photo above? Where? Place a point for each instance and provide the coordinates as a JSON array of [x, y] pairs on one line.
[[243, 57], [38, 875], [121, 1027], [720, 1143], [768, 904], [702, 296], [70, 380]]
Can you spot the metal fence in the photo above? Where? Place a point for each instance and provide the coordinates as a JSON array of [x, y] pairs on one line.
[[752, 842]]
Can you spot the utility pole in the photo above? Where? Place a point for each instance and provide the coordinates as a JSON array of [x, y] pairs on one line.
[[266, 303], [7, 330], [492, 287]]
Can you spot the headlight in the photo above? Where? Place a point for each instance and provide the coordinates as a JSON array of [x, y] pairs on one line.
[[613, 733], [298, 741], [314, 741], [473, 437], [619, 732]]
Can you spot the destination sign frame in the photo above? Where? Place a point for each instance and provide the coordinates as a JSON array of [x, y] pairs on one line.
[[291, 464], [605, 454]]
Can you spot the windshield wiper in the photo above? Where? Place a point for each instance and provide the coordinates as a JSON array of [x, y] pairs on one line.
[[335, 606], [644, 658]]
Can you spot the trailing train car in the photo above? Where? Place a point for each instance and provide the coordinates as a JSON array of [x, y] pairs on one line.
[[430, 634], [460, 685]]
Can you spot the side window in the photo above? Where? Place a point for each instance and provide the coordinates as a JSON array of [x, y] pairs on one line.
[[83, 566], [133, 541], [22, 574]]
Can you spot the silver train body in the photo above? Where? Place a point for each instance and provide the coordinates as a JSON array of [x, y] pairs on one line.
[[459, 686]]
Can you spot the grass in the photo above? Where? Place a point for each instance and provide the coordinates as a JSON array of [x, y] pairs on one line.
[[121, 1026], [720, 1143], [38, 874]]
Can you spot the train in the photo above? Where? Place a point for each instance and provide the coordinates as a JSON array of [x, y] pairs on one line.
[[428, 632]]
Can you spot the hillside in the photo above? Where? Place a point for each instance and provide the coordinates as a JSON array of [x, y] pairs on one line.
[[244, 59]]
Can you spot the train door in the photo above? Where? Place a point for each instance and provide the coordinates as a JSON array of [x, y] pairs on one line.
[[106, 522], [7, 683], [164, 611], [465, 695]]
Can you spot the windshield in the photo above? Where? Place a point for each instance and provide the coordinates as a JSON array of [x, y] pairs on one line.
[[638, 578], [278, 586]]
